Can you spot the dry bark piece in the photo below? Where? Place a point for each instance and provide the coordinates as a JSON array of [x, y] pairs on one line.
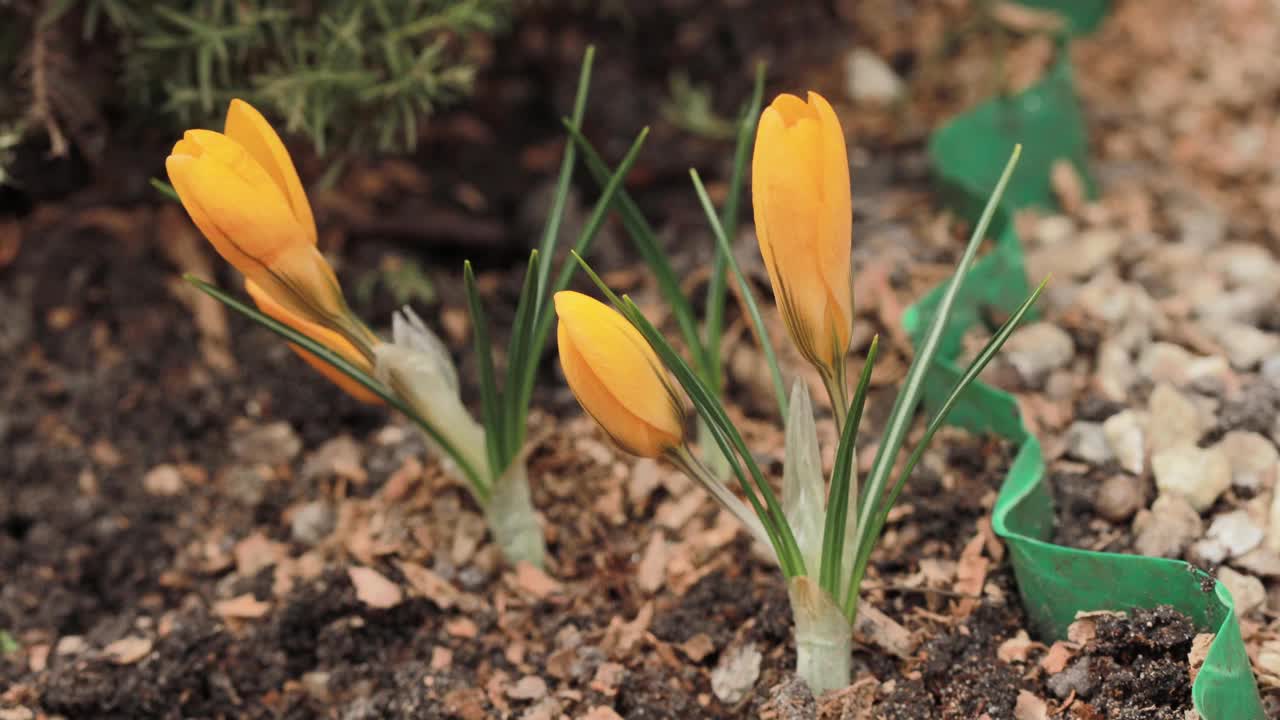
[[883, 631], [608, 678], [257, 552], [373, 589], [127, 651], [429, 585], [1199, 651], [652, 570], [242, 607], [621, 637], [1055, 661], [1017, 648], [462, 627], [466, 703], [971, 574], [1030, 707], [163, 481], [529, 687], [534, 581], [1085, 627], [698, 647]]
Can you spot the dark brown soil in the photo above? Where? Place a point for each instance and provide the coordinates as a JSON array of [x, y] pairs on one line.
[[1138, 665], [1135, 669], [106, 379]]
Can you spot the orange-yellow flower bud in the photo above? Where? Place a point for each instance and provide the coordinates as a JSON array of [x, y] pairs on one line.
[[241, 189], [324, 336], [616, 376], [800, 190]]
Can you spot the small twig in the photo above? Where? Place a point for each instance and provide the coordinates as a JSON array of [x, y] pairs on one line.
[[41, 105], [920, 590]]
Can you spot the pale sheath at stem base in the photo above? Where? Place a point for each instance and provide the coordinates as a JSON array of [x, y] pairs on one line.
[[417, 367], [512, 519], [824, 637]]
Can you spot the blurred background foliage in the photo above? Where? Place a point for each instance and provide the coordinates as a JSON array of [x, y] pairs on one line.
[[350, 75]]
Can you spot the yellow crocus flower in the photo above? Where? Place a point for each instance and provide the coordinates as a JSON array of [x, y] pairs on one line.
[[241, 189], [325, 337], [616, 376], [803, 214]]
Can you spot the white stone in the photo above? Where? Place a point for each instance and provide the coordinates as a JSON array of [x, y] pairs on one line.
[[1054, 229], [1086, 441], [736, 673], [1199, 475], [1126, 435], [1273, 524], [1167, 528], [163, 481], [1036, 349], [1269, 658], [1163, 362], [1119, 497], [868, 78], [1270, 371], [1246, 263], [1246, 590], [1206, 552], [1253, 457], [1173, 419], [1260, 561], [1114, 374], [1236, 531], [1245, 345], [1242, 305]]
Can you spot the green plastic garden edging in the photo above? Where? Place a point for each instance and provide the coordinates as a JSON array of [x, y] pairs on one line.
[[1055, 582]]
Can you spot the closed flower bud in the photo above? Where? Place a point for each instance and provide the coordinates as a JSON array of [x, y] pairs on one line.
[[324, 336], [616, 376], [242, 191], [800, 191]]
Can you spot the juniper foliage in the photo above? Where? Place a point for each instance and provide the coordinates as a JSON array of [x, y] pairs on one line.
[[348, 74]]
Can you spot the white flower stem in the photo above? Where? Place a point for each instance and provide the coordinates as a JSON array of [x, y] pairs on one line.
[[512, 519], [824, 637], [683, 459], [712, 457]]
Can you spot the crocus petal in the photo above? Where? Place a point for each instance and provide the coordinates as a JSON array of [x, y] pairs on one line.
[[260, 227], [616, 376], [801, 201], [181, 169], [619, 356], [248, 127], [835, 258], [323, 336]]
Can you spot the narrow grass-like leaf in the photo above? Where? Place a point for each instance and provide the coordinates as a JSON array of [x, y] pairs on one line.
[[757, 322], [542, 322], [833, 534], [970, 374], [708, 406], [908, 398], [346, 368], [646, 244], [513, 415], [790, 555], [165, 189], [523, 358], [490, 396], [551, 231], [716, 286]]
